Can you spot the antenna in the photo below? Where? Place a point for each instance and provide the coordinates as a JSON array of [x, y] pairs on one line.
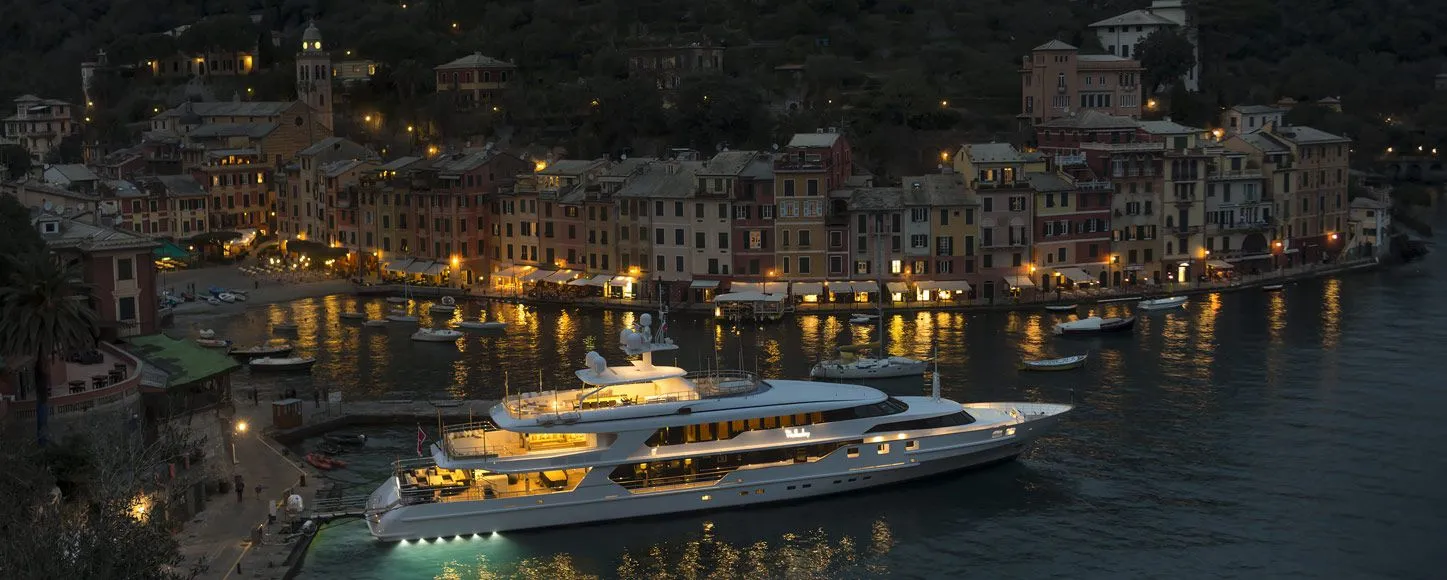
[[935, 378]]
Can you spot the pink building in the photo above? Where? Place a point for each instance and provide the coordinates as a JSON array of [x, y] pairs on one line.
[[1057, 81]]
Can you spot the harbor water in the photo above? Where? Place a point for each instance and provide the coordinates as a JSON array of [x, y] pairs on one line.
[[1248, 435]]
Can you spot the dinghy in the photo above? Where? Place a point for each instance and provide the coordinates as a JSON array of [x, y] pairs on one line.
[[1163, 303], [1054, 364]]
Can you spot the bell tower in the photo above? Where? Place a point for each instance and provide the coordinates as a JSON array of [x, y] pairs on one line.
[[314, 76]]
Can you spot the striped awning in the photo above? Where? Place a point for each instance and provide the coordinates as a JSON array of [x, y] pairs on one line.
[[536, 275], [808, 288], [1076, 275], [1019, 282]]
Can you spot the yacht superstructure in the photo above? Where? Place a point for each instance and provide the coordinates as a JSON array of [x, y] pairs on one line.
[[645, 439]]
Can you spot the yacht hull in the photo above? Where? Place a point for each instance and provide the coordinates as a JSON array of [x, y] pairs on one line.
[[598, 499]]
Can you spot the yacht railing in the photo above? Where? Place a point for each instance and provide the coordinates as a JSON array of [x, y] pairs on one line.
[[563, 407], [723, 383]]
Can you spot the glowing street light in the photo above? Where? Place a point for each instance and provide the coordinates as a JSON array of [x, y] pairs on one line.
[[944, 104], [241, 427], [1152, 104]]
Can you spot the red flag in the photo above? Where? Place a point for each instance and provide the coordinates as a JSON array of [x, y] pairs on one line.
[[421, 437]]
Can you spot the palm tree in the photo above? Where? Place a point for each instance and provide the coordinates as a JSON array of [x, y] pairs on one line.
[[44, 312]]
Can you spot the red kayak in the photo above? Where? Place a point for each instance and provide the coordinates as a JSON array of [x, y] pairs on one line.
[[323, 462]]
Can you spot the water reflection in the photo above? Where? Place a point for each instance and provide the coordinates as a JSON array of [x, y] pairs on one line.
[[1331, 314], [810, 554]]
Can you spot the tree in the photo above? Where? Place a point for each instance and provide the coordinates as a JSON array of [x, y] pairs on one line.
[[713, 109], [1166, 55], [44, 314], [17, 236], [83, 508], [16, 160]]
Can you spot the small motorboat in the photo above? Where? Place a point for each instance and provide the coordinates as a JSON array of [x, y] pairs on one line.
[[1272, 287], [214, 301], [353, 315], [239, 292], [396, 299], [436, 335], [448, 306], [1054, 364], [1062, 307], [340, 439], [206, 333], [482, 325], [285, 327], [324, 462], [213, 342], [273, 348], [863, 319], [226, 297], [1163, 303], [376, 322], [848, 367], [1095, 325], [239, 295], [401, 318], [293, 363]]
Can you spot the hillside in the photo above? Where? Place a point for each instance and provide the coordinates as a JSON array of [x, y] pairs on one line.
[[881, 67]]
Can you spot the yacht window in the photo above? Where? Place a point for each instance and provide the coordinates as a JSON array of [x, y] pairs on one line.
[[911, 445], [883, 449], [709, 469], [951, 420], [853, 452], [725, 430]]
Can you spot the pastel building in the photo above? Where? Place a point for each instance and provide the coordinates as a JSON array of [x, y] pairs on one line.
[[1057, 81]]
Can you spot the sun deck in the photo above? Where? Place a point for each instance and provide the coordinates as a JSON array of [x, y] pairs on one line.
[[481, 440], [423, 483], [662, 387]]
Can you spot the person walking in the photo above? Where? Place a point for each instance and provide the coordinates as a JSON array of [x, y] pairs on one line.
[[240, 488]]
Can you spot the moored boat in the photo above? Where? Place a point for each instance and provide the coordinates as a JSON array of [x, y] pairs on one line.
[[863, 318], [401, 318], [206, 333], [644, 440], [213, 342], [324, 462], [295, 363], [447, 306], [1062, 307], [375, 323], [1273, 287], [226, 297], [482, 325], [396, 299], [1095, 325], [436, 335], [272, 348], [353, 316], [1163, 303], [869, 368], [1054, 364]]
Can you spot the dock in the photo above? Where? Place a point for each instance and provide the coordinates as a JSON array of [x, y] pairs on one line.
[[332, 415]]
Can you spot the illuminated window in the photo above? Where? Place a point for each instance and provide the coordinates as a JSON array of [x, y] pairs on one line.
[[883, 449], [706, 497], [852, 452], [895, 267], [911, 445]]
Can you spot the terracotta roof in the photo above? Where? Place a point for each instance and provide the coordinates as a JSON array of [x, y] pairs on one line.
[[1055, 45], [1136, 18], [475, 60]]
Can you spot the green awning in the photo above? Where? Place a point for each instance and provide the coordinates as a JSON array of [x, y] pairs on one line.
[[172, 251], [183, 361]]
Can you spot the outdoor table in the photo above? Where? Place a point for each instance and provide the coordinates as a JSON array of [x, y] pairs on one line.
[[98, 381], [77, 386]]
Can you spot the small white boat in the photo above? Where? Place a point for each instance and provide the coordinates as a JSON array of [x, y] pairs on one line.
[[238, 292], [482, 324], [1054, 364], [396, 299], [285, 327], [863, 318], [1163, 303], [213, 342], [214, 301], [375, 323], [293, 363], [869, 368], [226, 297], [1062, 307], [401, 318], [272, 348], [447, 306], [1272, 287], [206, 333], [1094, 325], [436, 335], [353, 315]]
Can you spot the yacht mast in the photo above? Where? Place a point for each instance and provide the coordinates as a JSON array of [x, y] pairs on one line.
[[879, 279]]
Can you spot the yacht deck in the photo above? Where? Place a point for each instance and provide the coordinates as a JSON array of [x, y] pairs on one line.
[[657, 388]]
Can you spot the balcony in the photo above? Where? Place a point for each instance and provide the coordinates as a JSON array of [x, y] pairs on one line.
[[1248, 226], [110, 376], [1097, 185], [1123, 147], [1183, 230], [1234, 174], [1021, 243]]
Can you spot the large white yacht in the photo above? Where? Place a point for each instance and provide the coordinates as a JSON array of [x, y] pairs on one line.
[[641, 440]]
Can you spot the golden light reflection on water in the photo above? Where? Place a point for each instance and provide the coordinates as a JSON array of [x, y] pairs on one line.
[[809, 554], [1331, 314]]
